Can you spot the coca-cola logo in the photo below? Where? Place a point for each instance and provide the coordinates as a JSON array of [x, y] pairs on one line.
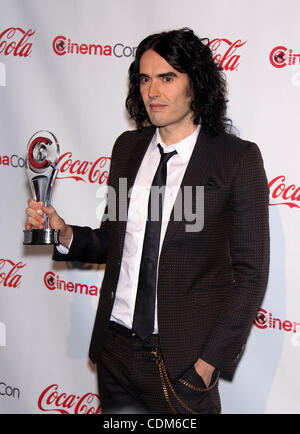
[[287, 194], [88, 171], [15, 41], [225, 52], [52, 400], [10, 275], [281, 56]]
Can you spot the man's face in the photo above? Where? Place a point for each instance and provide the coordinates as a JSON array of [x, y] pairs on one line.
[[165, 92]]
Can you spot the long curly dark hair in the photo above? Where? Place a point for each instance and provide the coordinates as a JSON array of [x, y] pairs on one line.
[[186, 53]]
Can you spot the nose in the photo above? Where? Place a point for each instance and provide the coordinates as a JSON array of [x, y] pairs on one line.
[[154, 89]]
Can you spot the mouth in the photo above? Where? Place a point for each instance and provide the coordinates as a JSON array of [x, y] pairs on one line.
[[157, 107]]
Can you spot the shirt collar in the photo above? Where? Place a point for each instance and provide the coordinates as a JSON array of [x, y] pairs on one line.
[[184, 148]]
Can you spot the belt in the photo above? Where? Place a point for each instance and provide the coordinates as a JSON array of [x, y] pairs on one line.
[[128, 333]]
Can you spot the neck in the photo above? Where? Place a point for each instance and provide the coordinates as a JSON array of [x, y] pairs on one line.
[[171, 135]]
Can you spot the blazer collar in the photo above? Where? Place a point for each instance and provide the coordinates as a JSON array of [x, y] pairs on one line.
[[196, 169]]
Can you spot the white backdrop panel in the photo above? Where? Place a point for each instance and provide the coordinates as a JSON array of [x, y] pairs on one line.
[[44, 328]]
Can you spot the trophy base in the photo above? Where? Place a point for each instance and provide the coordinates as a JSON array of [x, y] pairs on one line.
[[41, 237]]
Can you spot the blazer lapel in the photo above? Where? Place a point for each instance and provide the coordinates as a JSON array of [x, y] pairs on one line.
[[194, 175]]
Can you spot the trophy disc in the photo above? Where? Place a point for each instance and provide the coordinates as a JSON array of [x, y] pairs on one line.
[[42, 151]]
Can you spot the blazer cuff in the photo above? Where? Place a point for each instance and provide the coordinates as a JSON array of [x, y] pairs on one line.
[[74, 251]]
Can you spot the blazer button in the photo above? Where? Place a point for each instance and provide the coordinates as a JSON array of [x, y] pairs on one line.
[[112, 294]]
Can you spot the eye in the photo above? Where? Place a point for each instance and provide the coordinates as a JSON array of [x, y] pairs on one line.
[[168, 79], [144, 79]]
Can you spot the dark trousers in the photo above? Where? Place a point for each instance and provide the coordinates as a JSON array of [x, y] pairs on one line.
[[133, 379]]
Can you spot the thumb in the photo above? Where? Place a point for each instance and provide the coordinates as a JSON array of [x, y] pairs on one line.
[[55, 221]]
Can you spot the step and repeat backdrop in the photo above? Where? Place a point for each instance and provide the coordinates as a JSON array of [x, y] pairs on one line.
[[64, 68]]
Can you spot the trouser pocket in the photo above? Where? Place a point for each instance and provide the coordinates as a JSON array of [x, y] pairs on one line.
[[192, 391], [190, 394]]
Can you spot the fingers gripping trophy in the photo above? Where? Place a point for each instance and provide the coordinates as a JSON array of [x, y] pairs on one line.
[[41, 161]]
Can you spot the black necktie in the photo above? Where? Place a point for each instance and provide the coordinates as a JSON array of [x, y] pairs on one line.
[[143, 320]]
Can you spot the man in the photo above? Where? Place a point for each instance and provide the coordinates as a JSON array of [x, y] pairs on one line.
[[176, 303]]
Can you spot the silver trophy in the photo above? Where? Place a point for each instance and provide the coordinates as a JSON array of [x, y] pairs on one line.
[[41, 160]]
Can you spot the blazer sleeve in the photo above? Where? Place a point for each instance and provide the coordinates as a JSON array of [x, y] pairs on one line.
[[249, 250], [88, 245]]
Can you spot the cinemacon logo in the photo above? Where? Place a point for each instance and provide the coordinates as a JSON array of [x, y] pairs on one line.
[[13, 160], [282, 56], [63, 45], [53, 282], [9, 391], [266, 320]]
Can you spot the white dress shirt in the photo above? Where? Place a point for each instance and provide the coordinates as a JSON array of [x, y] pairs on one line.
[[124, 303]]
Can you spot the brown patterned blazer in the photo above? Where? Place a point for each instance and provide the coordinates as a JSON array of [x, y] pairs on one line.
[[210, 283]]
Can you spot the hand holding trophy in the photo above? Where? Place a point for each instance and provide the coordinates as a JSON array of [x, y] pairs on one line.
[[41, 161]]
